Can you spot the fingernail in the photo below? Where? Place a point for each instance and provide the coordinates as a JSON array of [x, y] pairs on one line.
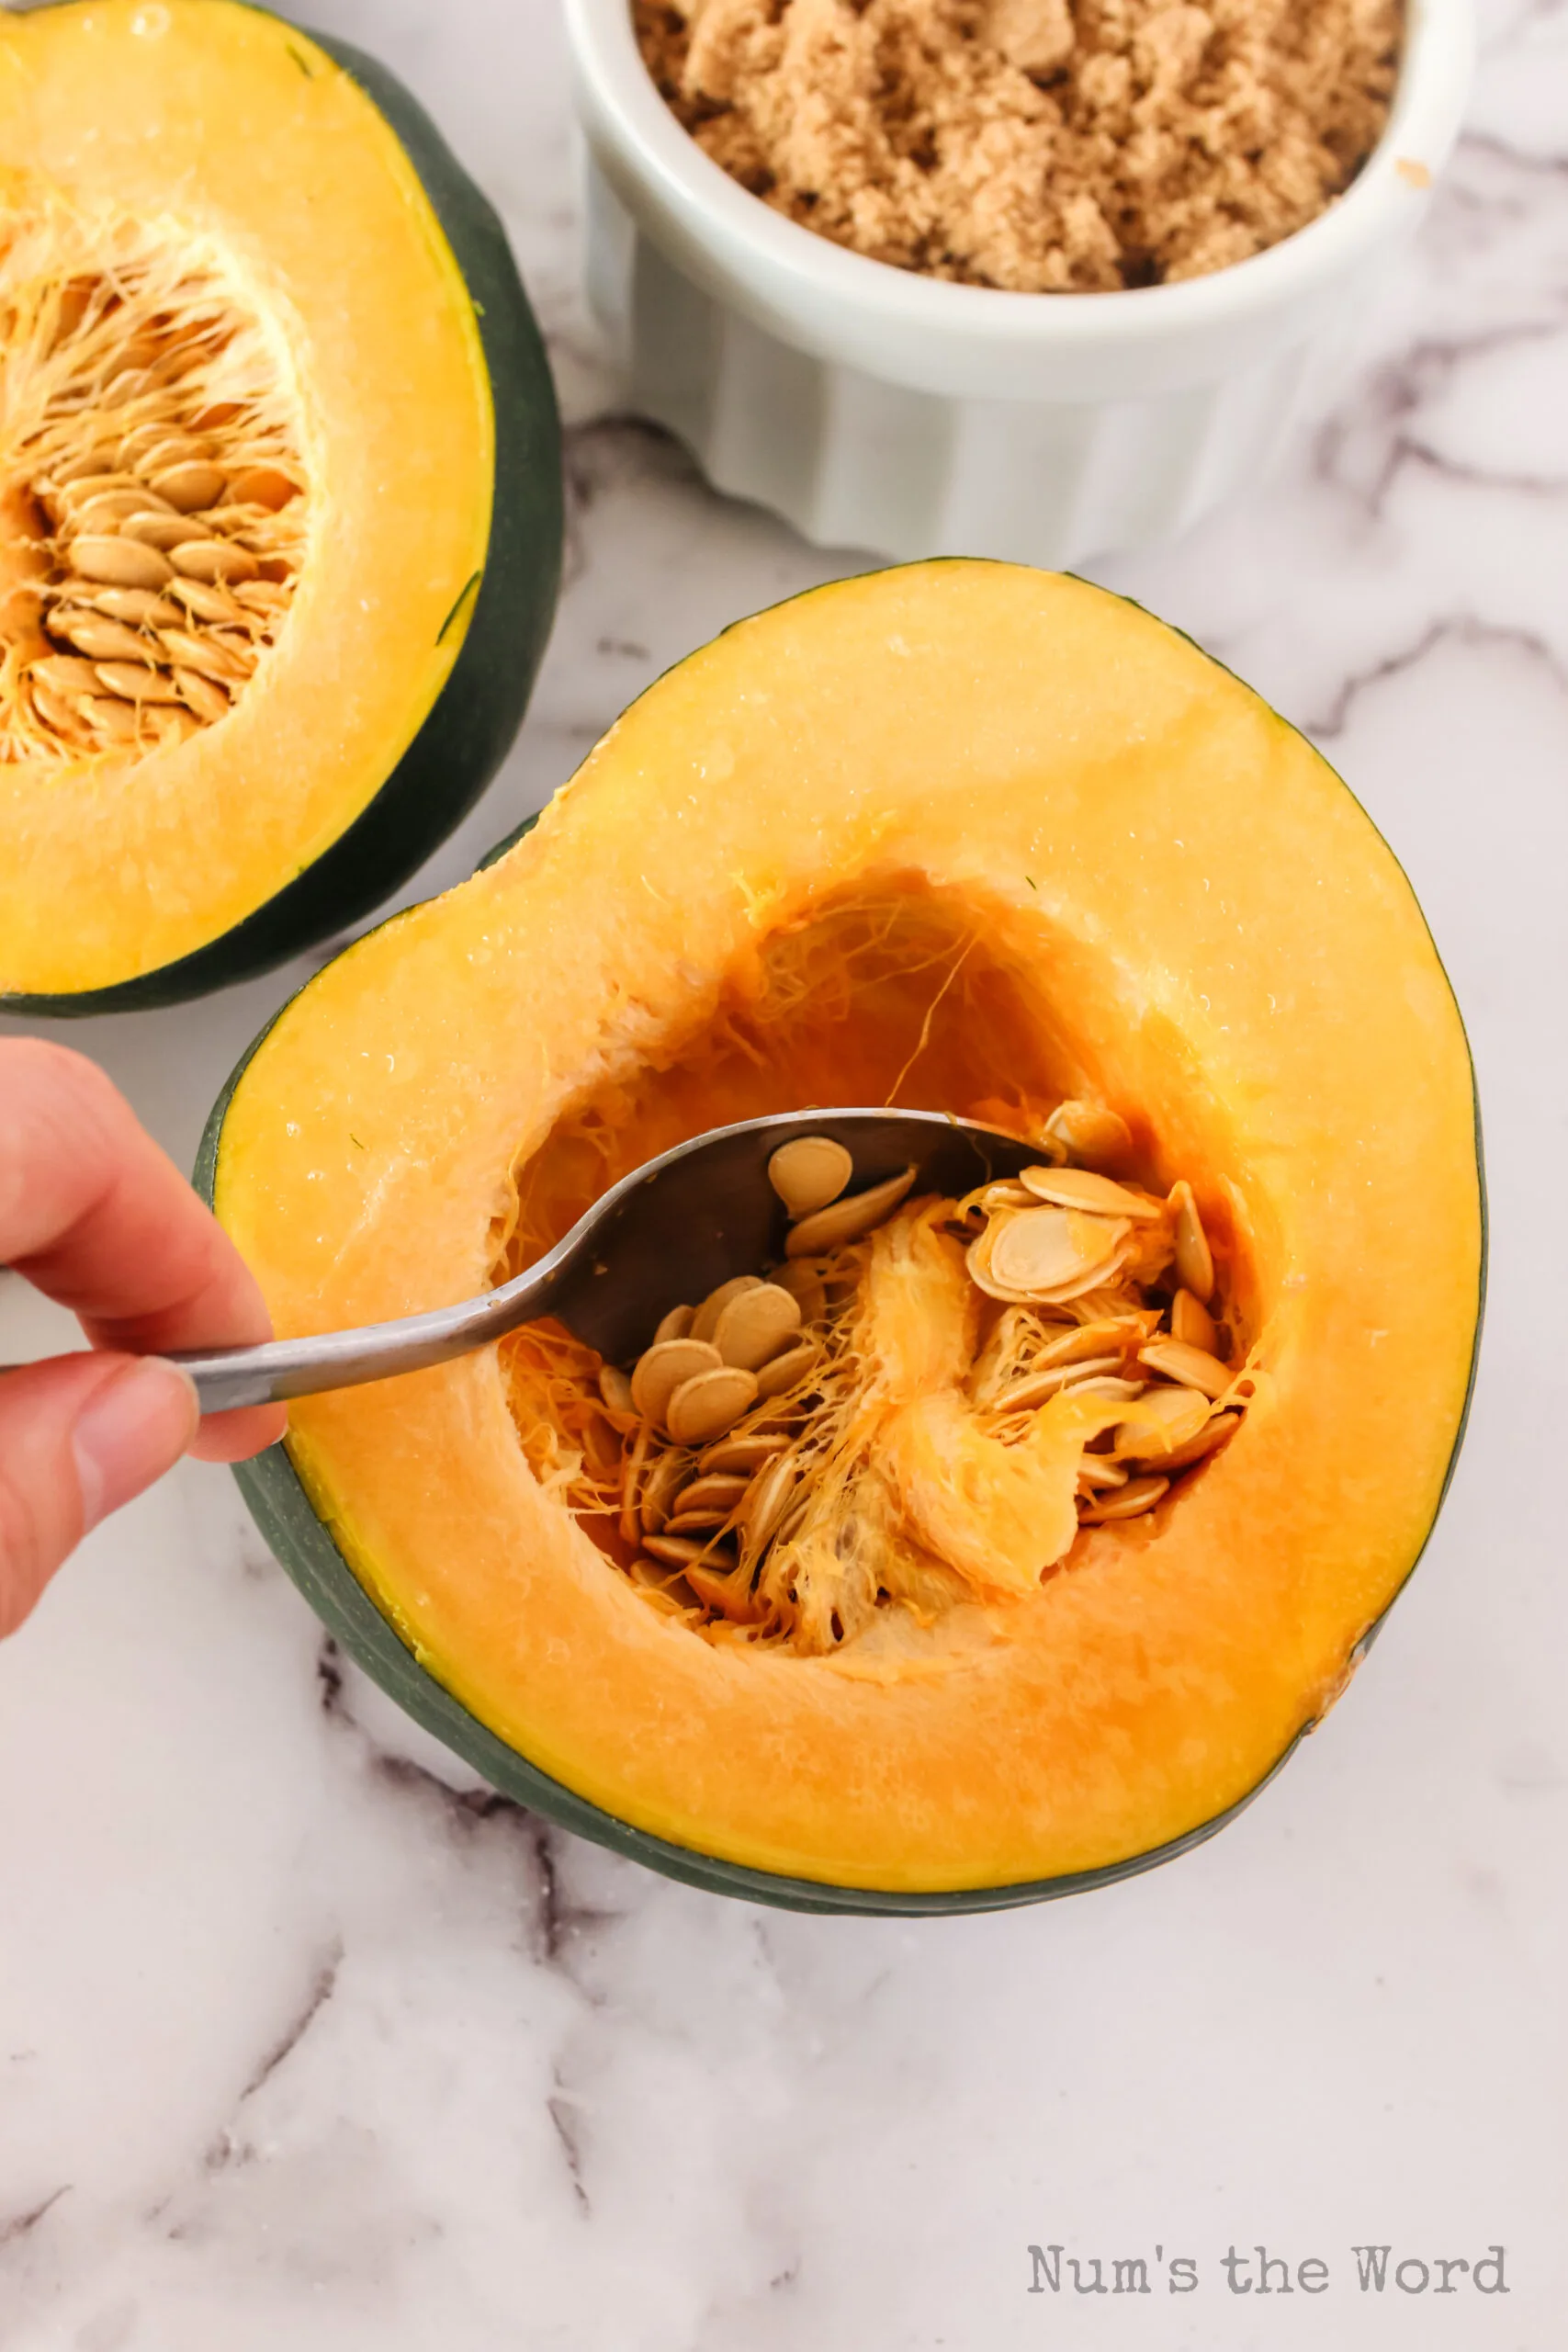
[[130, 1430]]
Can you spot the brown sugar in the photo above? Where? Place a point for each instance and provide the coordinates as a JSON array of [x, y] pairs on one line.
[[1046, 146]]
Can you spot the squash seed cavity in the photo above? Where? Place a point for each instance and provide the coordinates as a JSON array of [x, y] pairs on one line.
[[153, 491], [924, 1406]]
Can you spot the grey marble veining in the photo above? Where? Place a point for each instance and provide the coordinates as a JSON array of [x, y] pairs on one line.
[[306, 2039]]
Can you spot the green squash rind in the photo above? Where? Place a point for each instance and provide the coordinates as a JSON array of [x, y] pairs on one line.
[[304, 1547], [469, 728]]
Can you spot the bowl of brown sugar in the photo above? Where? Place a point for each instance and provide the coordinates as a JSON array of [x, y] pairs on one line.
[[1044, 279]]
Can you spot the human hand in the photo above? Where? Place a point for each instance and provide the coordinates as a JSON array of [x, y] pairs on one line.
[[95, 1215]]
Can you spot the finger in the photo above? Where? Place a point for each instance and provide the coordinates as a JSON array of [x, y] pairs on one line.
[[94, 1214], [234, 1437], [79, 1435]]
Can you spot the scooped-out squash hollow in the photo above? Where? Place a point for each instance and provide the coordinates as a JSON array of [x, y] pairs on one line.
[[952, 834], [280, 477]]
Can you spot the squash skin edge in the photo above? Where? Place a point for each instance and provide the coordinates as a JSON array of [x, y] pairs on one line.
[[470, 727]]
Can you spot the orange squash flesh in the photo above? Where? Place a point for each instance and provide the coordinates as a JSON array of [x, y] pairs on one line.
[[1171, 903]]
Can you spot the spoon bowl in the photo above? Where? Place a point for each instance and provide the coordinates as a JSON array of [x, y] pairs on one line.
[[667, 1234]]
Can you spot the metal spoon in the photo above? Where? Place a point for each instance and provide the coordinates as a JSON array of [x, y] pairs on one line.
[[667, 1234]]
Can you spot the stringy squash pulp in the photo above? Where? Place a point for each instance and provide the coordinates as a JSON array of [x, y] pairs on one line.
[[976, 839]]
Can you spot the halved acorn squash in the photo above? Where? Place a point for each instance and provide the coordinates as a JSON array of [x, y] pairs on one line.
[[980, 839], [279, 479]]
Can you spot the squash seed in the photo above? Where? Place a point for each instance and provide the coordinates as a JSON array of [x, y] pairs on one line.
[[1035, 1387], [119, 562], [111, 506], [172, 723], [650, 1577], [1095, 1282], [711, 1490], [64, 674], [263, 486], [1105, 1385], [977, 1260], [663, 1368], [239, 649], [172, 449], [755, 1324], [160, 527], [768, 1501], [659, 1491], [141, 607], [199, 694], [100, 637], [808, 1172], [704, 1321], [1194, 1367], [139, 445], [1078, 1188], [1087, 1131], [632, 1471], [673, 1325], [1215, 1432], [111, 717], [214, 560], [208, 603], [1137, 1496], [680, 1551], [602, 1450], [1191, 1323], [1006, 1197], [1035, 1251], [261, 596], [203, 653], [191, 485], [1167, 1417], [62, 717], [781, 1373], [703, 1408], [1098, 1472], [846, 1220], [616, 1389], [742, 1455], [1122, 1332], [721, 1590], [133, 682], [70, 499], [91, 466], [803, 1281], [1194, 1259], [701, 1519]]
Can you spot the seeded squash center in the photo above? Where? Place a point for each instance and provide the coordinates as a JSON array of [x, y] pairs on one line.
[[964, 837], [155, 477], [899, 1447]]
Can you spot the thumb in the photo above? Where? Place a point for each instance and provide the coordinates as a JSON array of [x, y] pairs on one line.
[[79, 1435]]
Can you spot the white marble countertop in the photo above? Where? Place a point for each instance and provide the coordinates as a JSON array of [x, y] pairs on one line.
[[304, 2040]]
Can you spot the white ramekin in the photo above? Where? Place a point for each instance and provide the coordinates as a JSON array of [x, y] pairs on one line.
[[876, 409]]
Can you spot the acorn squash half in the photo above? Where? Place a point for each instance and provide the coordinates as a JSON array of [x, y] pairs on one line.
[[970, 835], [280, 480]]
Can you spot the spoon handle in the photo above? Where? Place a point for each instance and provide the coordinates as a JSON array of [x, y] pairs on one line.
[[278, 1369]]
